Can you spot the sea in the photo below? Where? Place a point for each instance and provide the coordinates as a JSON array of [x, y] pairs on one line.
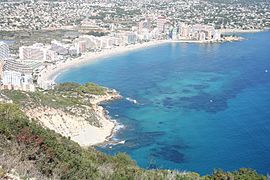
[[187, 106]]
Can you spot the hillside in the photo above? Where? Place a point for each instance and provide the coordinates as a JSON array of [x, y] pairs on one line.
[[71, 110], [28, 150]]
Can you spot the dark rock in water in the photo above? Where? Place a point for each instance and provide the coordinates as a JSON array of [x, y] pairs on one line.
[[171, 145], [201, 102], [178, 146], [168, 102], [186, 91], [200, 86], [143, 139], [155, 154], [213, 79], [204, 101], [169, 154]]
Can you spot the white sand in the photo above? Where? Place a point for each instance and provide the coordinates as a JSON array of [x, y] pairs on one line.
[[77, 128], [53, 71], [240, 30]]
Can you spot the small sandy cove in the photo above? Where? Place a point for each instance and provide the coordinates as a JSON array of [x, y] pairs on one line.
[[77, 128]]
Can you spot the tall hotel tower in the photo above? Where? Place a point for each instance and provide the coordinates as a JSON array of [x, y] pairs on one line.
[[1, 69], [4, 54], [4, 51], [161, 20]]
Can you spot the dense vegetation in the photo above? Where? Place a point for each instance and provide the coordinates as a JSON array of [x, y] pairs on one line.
[[33, 151], [58, 157], [55, 156], [89, 88], [64, 95], [97, 34], [71, 98]]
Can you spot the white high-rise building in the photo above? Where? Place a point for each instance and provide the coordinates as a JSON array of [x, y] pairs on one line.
[[161, 20], [18, 66], [59, 48], [1, 69], [12, 78], [17, 81], [144, 25], [4, 51], [37, 52]]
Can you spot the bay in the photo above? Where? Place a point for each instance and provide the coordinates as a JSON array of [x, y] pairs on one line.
[[200, 106]]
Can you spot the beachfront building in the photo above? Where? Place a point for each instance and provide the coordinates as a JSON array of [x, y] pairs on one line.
[[37, 52], [202, 36], [108, 42], [1, 69], [18, 66], [174, 33], [16, 75], [208, 30], [198, 32], [91, 43], [145, 30], [4, 51], [183, 31], [59, 48], [161, 21], [80, 46], [17, 81], [128, 37], [145, 36], [217, 36], [11, 78], [73, 51], [144, 26]]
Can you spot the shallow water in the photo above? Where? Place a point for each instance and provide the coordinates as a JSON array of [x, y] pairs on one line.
[[201, 106]]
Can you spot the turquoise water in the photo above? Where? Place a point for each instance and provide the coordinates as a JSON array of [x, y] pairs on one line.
[[201, 107]]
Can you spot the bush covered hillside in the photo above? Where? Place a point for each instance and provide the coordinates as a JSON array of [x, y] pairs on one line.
[[71, 98], [30, 151], [36, 152]]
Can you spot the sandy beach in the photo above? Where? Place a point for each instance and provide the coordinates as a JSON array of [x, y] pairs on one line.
[[51, 72], [77, 128], [240, 30]]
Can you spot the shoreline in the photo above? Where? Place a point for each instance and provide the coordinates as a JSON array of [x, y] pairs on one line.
[[104, 115], [53, 71], [241, 30], [109, 125], [104, 134], [74, 125]]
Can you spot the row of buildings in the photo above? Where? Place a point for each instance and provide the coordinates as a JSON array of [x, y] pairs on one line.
[[14, 74], [21, 73], [34, 59], [230, 14], [166, 30]]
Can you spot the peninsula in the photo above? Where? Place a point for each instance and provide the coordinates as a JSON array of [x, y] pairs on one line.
[[71, 110]]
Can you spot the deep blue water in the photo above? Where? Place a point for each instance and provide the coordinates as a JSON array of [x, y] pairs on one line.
[[202, 106]]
